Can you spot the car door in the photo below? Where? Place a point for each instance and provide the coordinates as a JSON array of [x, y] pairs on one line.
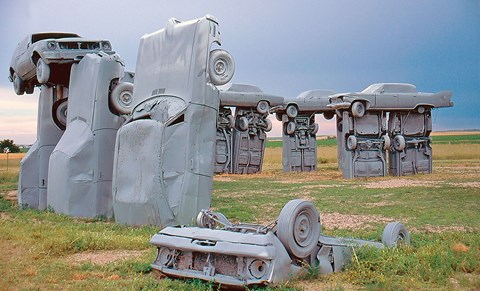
[[23, 60]]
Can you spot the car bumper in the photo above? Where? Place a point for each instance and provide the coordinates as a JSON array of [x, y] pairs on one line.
[[62, 57], [225, 257]]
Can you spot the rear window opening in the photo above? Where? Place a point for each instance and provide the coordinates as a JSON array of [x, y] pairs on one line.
[[41, 36], [179, 119]]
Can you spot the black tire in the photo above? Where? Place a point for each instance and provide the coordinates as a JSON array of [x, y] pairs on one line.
[[121, 98], [395, 234], [221, 67], [299, 227], [42, 71], [18, 84], [263, 107], [59, 113], [358, 109]]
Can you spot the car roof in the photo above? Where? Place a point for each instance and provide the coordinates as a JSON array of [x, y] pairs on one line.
[[48, 35], [390, 88]]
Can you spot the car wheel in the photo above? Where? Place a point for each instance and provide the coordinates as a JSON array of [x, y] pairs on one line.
[[395, 234], [291, 111], [18, 84], [399, 143], [43, 71], [352, 142], [262, 107], [204, 221], [328, 115], [121, 98], [268, 126], [358, 109], [299, 227], [59, 113], [243, 123], [315, 129], [290, 127], [386, 142], [221, 67]]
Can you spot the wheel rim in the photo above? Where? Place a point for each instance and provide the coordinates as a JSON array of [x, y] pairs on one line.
[[126, 98], [292, 111], [220, 67], [303, 229]]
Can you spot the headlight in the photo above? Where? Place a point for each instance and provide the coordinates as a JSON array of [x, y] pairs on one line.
[[164, 257], [106, 46], [51, 45], [257, 269]]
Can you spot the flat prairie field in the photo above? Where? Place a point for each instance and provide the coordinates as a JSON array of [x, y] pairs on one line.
[[44, 250]]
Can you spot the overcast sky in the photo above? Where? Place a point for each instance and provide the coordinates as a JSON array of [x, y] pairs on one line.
[[284, 47]]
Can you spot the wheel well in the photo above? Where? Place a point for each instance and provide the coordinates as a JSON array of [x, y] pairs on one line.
[[364, 102], [11, 72], [35, 57]]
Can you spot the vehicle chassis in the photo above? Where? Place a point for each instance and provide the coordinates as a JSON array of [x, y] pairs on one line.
[[250, 254]]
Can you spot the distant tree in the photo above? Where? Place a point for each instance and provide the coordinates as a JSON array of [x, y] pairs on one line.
[[8, 143]]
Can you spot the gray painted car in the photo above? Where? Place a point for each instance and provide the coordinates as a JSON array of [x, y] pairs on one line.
[[390, 97], [163, 167], [249, 254], [248, 96], [46, 57], [308, 102]]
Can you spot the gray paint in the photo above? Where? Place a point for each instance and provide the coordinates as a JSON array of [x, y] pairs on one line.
[[299, 151], [416, 157], [81, 163], [368, 158], [409, 118], [223, 141], [250, 254], [164, 155], [33, 180], [240, 143]]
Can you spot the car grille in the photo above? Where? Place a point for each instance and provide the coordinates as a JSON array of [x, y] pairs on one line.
[[223, 264], [79, 45]]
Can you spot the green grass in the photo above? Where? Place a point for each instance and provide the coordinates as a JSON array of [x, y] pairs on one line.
[[441, 210], [320, 142], [456, 139]]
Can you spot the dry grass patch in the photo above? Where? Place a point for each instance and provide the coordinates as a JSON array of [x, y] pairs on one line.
[[104, 257], [443, 228], [396, 183], [351, 221]]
